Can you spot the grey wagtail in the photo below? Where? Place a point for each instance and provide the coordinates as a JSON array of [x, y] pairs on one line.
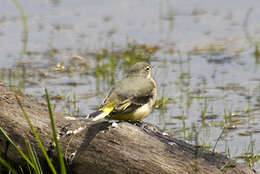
[[132, 98]]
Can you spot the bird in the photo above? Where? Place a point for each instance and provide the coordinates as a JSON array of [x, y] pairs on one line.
[[130, 99]]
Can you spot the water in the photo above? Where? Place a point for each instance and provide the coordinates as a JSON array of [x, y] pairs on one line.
[[205, 63]]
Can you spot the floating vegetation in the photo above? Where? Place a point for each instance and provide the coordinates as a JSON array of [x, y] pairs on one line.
[[250, 156], [162, 101], [78, 82], [205, 78]]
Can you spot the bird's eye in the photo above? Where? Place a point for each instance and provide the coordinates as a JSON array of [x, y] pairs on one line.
[[147, 68]]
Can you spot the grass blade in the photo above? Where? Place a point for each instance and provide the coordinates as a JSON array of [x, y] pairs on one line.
[[34, 158], [25, 24], [36, 137], [60, 156], [4, 163], [16, 147]]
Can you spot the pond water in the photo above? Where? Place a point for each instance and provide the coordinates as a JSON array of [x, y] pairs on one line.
[[204, 54]]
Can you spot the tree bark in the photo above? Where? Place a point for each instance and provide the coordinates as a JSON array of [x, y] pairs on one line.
[[102, 148]]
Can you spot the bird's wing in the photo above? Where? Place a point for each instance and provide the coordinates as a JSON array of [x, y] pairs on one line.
[[128, 94]]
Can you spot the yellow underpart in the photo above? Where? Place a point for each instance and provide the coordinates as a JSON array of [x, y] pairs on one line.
[[107, 109], [138, 114]]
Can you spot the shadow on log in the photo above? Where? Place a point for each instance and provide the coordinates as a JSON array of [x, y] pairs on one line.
[[101, 148]]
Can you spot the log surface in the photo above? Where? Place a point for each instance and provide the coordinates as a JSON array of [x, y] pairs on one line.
[[101, 148]]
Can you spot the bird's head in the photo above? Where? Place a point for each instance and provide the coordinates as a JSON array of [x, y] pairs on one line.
[[141, 69]]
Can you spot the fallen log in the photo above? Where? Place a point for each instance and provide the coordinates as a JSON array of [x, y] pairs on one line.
[[103, 148]]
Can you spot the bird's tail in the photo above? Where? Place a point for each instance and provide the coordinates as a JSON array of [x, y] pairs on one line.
[[98, 115]]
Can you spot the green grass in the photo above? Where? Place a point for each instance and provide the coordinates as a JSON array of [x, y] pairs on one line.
[[16, 147], [54, 134], [34, 165], [8, 166], [37, 137], [25, 24], [250, 156]]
